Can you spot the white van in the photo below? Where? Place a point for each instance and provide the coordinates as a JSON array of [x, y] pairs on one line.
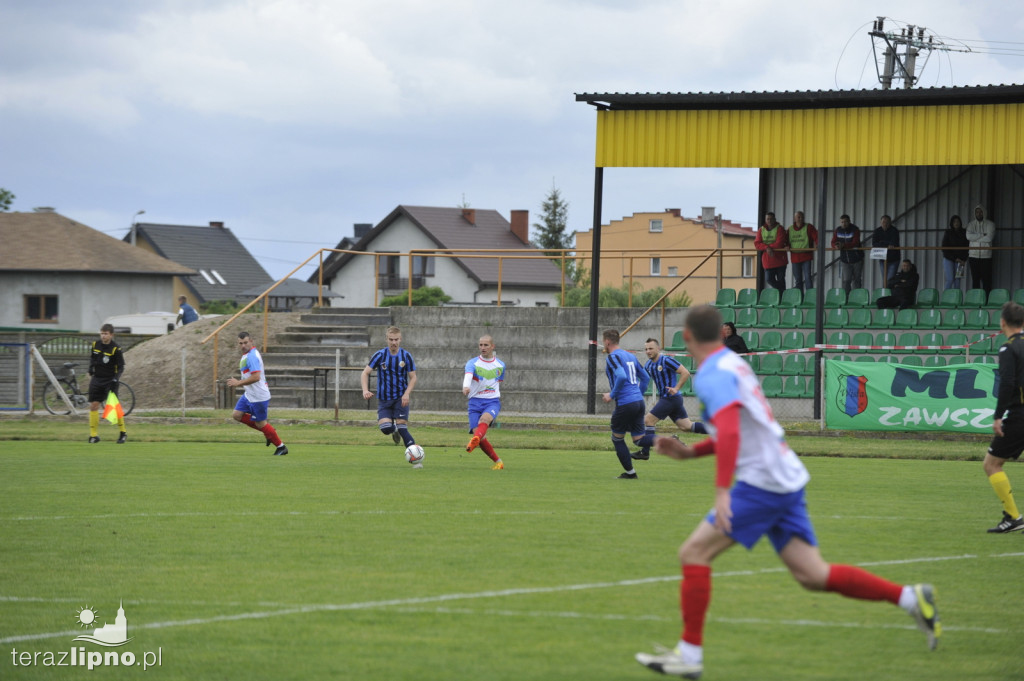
[[146, 323]]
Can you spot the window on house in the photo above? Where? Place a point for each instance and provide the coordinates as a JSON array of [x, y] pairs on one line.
[[422, 266], [655, 267], [655, 225], [207, 277], [216, 275], [748, 265], [41, 308], [673, 271]]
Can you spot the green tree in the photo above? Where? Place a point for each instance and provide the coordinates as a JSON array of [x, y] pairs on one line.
[[423, 296], [618, 296], [6, 199], [551, 231]]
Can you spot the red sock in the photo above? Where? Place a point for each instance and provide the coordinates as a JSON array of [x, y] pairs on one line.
[[694, 597], [247, 420], [481, 430], [271, 434], [854, 582], [488, 449]]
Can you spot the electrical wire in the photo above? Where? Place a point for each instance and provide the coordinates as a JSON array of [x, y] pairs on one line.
[[835, 76]]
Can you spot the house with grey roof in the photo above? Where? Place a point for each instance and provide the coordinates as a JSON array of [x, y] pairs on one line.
[[471, 275], [60, 275], [223, 268]]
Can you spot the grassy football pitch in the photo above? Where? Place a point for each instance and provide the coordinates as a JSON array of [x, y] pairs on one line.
[[340, 561]]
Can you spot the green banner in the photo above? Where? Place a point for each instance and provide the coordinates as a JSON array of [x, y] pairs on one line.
[[883, 396]]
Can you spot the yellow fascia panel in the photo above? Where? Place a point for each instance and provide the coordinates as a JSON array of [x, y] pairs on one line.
[[986, 134]]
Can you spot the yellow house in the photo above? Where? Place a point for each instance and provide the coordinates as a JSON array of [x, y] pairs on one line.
[[657, 249]]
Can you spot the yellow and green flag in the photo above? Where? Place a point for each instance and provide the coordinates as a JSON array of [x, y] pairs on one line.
[[113, 411]]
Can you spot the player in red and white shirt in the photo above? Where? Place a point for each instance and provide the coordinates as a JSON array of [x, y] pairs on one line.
[[767, 498]]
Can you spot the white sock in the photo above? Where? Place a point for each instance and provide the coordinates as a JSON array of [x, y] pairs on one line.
[[908, 599], [690, 653]]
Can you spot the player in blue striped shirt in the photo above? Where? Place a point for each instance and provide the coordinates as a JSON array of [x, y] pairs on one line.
[[669, 376], [627, 381], [396, 377]]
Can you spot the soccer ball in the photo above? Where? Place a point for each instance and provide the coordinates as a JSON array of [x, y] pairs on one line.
[[414, 453]]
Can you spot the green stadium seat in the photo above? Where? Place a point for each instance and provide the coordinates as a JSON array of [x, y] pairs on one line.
[[958, 338], [978, 319], [726, 298], [771, 386], [687, 390], [794, 365], [865, 358], [650, 389], [879, 293], [859, 297], [746, 297], [951, 299], [751, 338], [927, 297], [932, 338], [959, 359], [768, 317], [793, 340], [746, 317], [997, 343], [771, 340], [905, 319], [934, 361], [841, 358], [771, 365], [755, 362], [975, 297], [886, 339], [839, 338], [952, 319], [837, 318], [810, 300], [794, 387], [791, 318], [728, 314], [997, 298], [882, 319], [909, 338], [860, 318], [889, 359], [686, 361], [677, 343], [835, 297], [769, 298], [981, 344], [929, 318], [985, 359], [863, 338], [911, 360], [1018, 296], [810, 317], [791, 297]]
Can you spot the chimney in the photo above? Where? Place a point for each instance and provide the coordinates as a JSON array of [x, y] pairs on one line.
[[217, 225], [677, 212], [521, 225], [470, 215], [361, 229]]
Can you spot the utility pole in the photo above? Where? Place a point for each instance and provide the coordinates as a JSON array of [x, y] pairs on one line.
[[902, 66]]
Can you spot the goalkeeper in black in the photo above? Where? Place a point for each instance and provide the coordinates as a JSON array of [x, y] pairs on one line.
[[106, 364], [1008, 420]]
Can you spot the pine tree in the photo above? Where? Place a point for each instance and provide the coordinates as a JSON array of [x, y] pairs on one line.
[[551, 232]]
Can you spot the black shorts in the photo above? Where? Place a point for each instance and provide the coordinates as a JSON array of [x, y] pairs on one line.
[[629, 418], [99, 387], [1011, 444]]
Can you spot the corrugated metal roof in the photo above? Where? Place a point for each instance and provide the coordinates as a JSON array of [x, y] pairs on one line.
[[54, 243], [229, 268]]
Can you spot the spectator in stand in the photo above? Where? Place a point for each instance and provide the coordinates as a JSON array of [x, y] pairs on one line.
[[771, 241], [904, 288], [732, 340], [846, 239], [887, 236], [980, 235], [803, 239], [954, 252]]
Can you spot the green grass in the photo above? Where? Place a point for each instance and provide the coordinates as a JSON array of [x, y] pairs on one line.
[[340, 561]]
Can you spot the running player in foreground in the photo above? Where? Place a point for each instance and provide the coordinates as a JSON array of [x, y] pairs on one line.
[[767, 498], [480, 384], [396, 377], [669, 376], [252, 407], [627, 382]]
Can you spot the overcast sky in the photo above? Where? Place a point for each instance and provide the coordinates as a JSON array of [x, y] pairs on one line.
[[290, 120]]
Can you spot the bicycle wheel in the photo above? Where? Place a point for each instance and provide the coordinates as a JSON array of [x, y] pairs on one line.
[[126, 396], [51, 398]]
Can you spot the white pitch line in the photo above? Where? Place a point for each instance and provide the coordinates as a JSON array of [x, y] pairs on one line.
[[443, 598]]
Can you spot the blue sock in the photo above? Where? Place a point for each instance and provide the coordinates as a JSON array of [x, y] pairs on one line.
[[698, 427], [387, 428], [622, 451], [403, 431], [647, 440]]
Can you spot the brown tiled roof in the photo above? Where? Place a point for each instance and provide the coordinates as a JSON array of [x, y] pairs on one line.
[[54, 243]]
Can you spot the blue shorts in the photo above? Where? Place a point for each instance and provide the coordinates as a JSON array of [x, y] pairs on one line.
[[479, 406], [756, 512], [671, 408], [257, 410], [392, 409], [629, 418]]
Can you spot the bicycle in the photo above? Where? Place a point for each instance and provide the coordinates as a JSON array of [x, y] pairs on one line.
[[55, 405]]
